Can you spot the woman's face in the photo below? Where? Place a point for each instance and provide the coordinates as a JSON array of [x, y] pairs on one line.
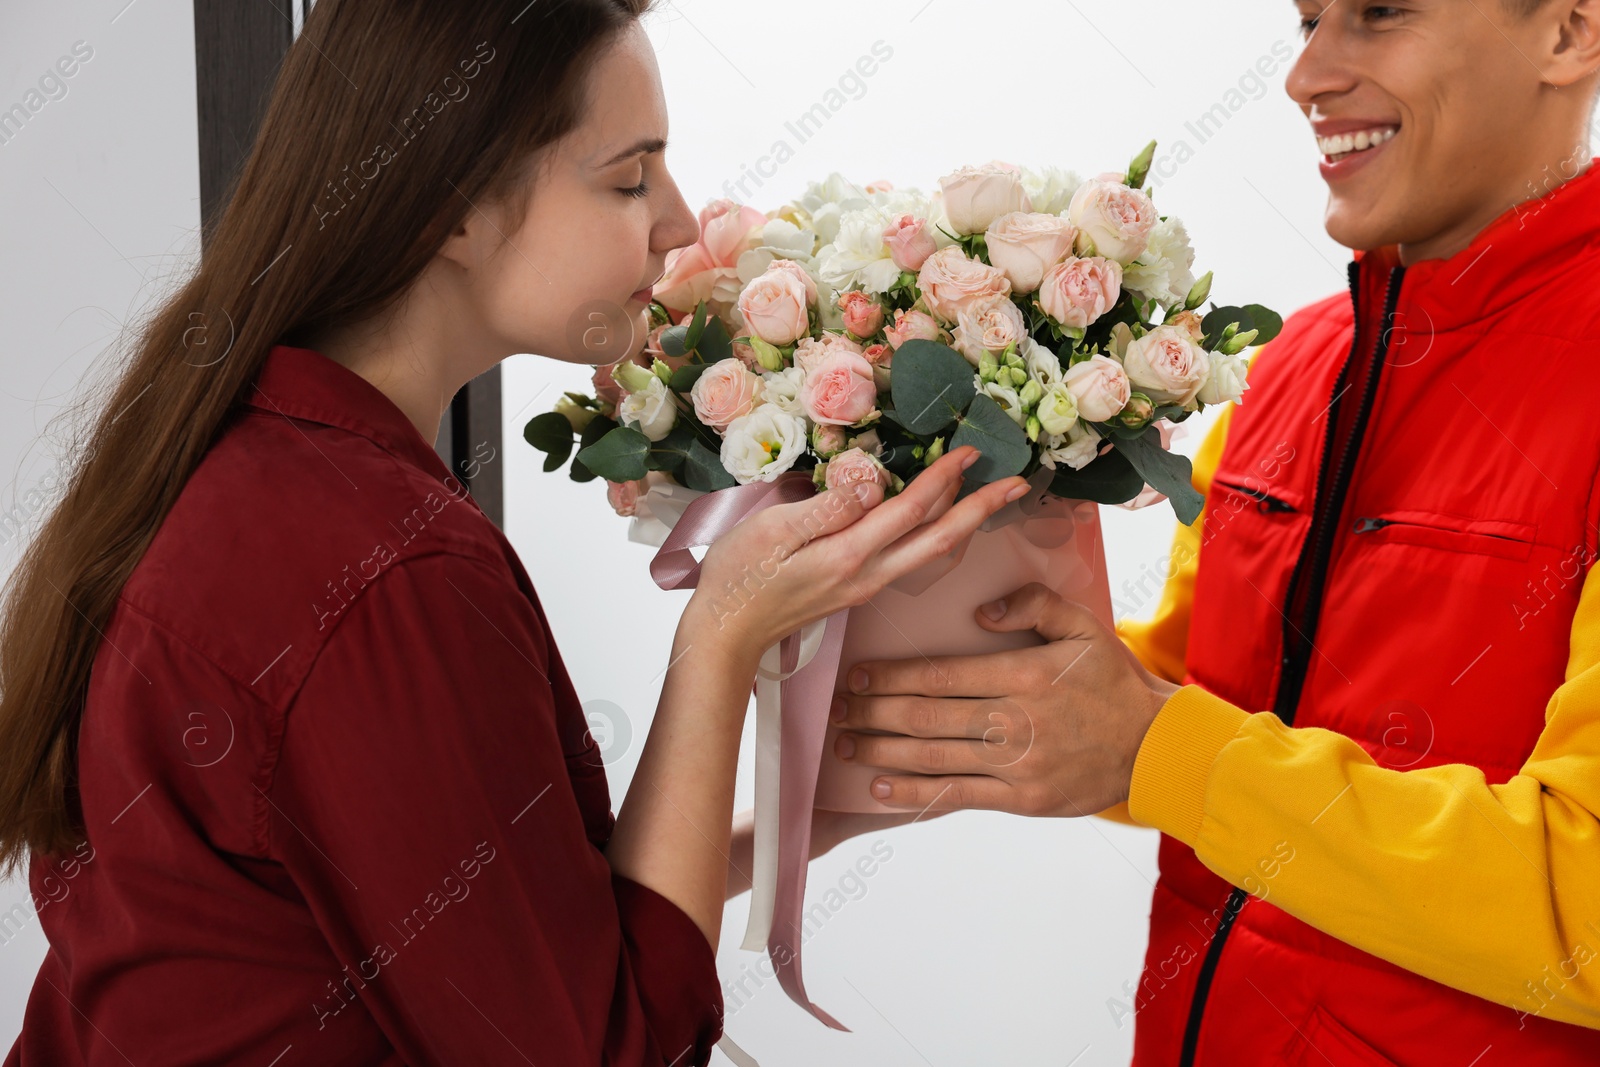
[[572, 283]]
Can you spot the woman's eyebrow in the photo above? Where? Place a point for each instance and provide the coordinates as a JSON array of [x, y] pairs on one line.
[[644, 147]]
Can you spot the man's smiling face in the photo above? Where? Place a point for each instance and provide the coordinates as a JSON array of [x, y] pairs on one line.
[[1433, 116]]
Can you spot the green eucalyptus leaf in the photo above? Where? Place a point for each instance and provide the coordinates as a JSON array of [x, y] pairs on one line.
[[704, 470], [684, 377], [932, 385], [1002, 443], [1267, 321], [715, 344], [673, 341], [1166, 472], [1107, 479], [619, 456]]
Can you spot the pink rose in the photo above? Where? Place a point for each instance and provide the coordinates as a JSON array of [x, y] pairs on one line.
[[1189, 323], [879, 355], [949, 281], [653, 350], [624, 496], [882, 185], [1167, 366], [724, 392], [863, 316], [1076, 292], [839, 390], [606, 389], [1113, 218], [812, 351], [827, 440], [1025, 245], [695, 272], [855, 467], [975, 196], [910, 242], [777, 306], [988, 326], [1099, 387], [913, 325]]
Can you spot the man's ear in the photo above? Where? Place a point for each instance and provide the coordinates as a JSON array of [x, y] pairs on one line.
[[1576, 56]]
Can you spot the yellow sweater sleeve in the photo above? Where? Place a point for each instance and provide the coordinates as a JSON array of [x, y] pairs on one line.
[[1492, 889], [1161, 641]]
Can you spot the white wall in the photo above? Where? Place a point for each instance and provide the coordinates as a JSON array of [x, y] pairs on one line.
[[984, 939]]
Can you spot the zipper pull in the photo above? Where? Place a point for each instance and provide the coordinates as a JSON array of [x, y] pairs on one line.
[[1368, 525]]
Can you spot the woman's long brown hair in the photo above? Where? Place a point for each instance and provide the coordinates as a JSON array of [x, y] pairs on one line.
[[389, 121]]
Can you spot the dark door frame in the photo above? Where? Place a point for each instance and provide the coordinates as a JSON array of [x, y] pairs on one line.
[[238, 48]]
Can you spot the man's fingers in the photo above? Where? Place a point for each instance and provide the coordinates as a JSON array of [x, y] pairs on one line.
[[994, 675], [915, 755], [941, 794], [914, 716], [1041, 609]]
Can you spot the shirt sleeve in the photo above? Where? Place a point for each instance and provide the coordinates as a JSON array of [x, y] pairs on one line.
[[1161, 642], [1486, 888], [423, 805]]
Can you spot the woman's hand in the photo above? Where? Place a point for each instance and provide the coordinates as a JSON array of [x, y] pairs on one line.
[[793, 564], [1052, 730]]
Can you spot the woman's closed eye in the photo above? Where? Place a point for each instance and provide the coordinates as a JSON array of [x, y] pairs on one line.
[[638, 192]]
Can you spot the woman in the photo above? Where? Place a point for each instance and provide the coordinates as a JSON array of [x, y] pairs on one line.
[[285, 734]]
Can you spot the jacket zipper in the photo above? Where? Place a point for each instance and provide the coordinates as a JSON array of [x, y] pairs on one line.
[[1369, 525], [1267, 501], [1317, 551]]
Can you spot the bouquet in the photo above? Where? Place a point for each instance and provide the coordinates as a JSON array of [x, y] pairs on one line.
[[857, 333], [854, 335]]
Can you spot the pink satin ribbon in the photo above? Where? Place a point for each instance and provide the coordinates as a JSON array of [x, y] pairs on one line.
[[807, 695]]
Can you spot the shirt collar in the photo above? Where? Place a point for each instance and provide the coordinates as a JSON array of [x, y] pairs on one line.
[[301, 383]]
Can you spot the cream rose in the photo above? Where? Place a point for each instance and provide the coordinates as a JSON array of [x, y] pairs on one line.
[[781, 389], [1099, 387], [724, 392], [1077, 291], [1167, 366], [975, 196], [812, 351], [1057, 411], [763, 444], [1024, 245], [777, 306], [988, 326], [949, 281], [1115, 219], [840, 390]]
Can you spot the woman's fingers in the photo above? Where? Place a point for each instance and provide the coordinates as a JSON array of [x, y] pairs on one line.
[[826, 513], [923, 496], [926, 543]]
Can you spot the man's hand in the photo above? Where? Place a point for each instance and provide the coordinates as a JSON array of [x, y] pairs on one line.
[[1051, 730]]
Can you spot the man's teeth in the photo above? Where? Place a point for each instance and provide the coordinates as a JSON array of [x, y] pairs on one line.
[[1345, 143]]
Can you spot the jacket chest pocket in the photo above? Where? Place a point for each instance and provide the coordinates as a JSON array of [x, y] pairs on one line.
[[1450, 533], [1251, 536]]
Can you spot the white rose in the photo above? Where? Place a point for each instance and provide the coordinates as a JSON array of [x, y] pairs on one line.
[[1167, 366], [1080, 445], [763, 444], [1115, 219], [988, 326], [1161, 273], [1006, 397], [650, 410], [1057, 411], [859, 256], [975, 196], [781, 389], [1026, 244], [1226, 382]]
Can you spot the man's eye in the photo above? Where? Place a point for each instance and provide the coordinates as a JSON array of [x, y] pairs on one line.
[[1307, 27]]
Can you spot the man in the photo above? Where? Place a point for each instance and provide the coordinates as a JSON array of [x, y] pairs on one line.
[[1366, 716]]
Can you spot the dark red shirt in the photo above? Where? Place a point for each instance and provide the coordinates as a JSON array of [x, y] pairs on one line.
[[342, 803]]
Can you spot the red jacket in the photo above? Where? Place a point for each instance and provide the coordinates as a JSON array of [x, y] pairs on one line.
[[1410, 461], [343, 805]]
